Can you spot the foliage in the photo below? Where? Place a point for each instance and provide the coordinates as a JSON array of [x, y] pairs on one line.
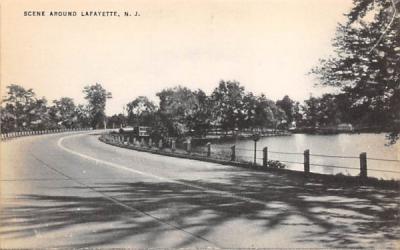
[[276, 164], [366, 65], [22, 110], [199, 120], [141, 111], [63, 112], [82, 116], [288, 106], [96, 96], [184, 111], [323, 111], [117, 121], [234, 108], [228, 105]]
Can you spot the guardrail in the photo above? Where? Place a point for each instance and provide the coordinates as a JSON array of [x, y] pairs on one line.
[[232, 153], [7, 136]]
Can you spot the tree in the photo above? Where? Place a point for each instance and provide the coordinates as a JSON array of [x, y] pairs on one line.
[[83, 116], [141, 111], [97, 97], [323, 111], [22, 110], [178, 106], [261, 112], [287, 105], [16, 107], [63, 112], [297, 115], [228, 105], [366, 65], [199, 120], [39, 117], [7, 120], [117, 121]]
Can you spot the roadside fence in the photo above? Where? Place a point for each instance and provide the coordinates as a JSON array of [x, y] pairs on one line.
[[261, 157], [6, 136]]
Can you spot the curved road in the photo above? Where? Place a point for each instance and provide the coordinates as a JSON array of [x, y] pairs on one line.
[[71, 190]]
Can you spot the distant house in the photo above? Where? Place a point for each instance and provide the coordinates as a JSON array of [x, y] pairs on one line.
[[345, 127]]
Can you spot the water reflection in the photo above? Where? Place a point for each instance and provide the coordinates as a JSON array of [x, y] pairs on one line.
[[350, 145]]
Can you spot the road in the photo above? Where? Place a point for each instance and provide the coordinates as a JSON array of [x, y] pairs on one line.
[[71, 190]]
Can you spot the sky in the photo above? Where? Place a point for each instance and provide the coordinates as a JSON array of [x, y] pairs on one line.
[[269, 46]]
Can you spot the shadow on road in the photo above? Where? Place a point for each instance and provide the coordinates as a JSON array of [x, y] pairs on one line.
[[328, 215]]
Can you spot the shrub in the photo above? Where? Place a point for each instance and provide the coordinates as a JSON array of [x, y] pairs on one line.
[[276, 164]]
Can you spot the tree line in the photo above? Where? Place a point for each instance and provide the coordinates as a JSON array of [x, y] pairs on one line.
[[182, 111], [22, 110], [230, 107]]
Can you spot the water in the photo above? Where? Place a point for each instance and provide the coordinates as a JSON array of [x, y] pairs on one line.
[[349, 145]]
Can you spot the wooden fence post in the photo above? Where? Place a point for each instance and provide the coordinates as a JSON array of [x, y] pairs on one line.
[[189, 146], [307, 161], [208, 149], [233, 153], [363, 165], [173, 146], [255, 152], [265, 157]]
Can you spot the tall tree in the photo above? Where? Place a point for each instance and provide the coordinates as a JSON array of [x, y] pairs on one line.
[[18, 107], [117, 121], [177, 107], [141, 111], [228, 105], [97, 97], [366, 65], [64, 112], [21, 108], [287, 105], [39, 116], [199, 120], [83, 116], [262, 112], [323, 111]]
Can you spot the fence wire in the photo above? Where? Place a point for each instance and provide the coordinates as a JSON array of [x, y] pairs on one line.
[[225, 153], [332, 166], [381, 170], [335, 156], [292, 162], [246, 149], [284, 153], [377, 159]]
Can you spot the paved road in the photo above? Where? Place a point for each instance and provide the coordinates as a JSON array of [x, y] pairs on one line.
[[70, 190]]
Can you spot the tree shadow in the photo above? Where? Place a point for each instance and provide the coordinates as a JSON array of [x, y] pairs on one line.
[[346, 216]]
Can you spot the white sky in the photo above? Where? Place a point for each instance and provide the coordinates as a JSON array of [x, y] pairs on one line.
[[269, 46]]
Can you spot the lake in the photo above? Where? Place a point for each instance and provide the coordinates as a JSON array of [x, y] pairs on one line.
[[348, 145]]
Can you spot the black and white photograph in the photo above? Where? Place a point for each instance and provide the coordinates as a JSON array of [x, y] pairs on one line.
[[200, 124]]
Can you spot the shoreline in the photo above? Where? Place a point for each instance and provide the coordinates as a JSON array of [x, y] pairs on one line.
[[311, 176]]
